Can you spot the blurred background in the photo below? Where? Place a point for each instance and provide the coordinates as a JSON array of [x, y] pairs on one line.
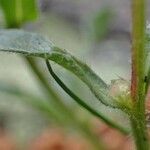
[[97, 32]]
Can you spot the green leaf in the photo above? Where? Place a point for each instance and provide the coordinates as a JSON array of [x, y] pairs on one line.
[[18, 12], [31, 44]]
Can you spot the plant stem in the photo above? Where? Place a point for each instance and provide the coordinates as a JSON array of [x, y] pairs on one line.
[[139, 132], [138, 74], [138, 47]]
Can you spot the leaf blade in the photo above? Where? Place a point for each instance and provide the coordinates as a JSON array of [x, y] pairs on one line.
[[32, 44]]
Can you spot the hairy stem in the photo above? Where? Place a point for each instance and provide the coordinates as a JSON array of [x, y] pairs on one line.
[[138, 74], [139, 132], [138, 47]]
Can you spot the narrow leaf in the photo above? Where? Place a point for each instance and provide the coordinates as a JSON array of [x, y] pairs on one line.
[[82, 103], [31, 44]]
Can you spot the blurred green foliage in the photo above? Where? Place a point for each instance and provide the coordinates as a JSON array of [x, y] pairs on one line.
[[18, 11], [101, 23]]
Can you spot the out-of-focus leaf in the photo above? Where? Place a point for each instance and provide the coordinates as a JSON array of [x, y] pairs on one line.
[[18, 12], [53, 114], [31, 44], [36, 103], [101, 23]]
